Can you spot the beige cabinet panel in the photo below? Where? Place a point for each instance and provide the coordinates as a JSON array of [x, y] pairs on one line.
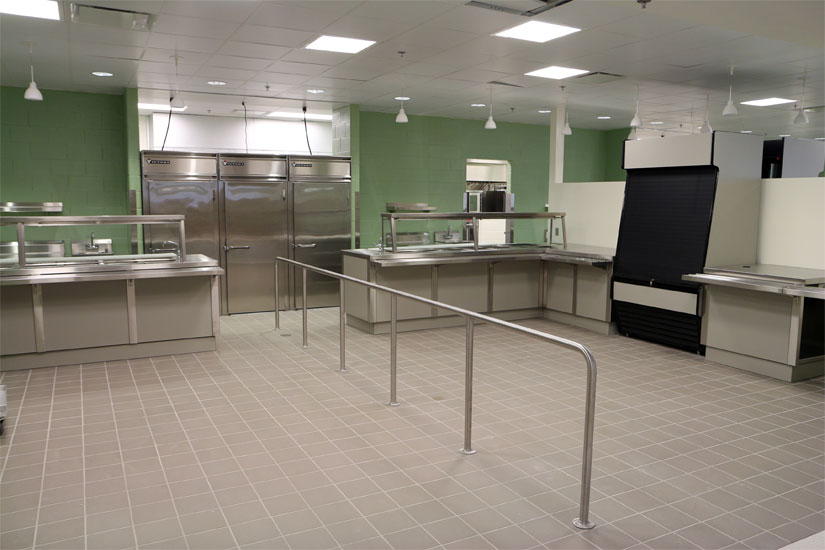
[[516, 285], [413, 279], [85, 314], [173, 308], [592, 285], [16, 320], [561, 279], [463, 285], [355, 296], [749, 322]]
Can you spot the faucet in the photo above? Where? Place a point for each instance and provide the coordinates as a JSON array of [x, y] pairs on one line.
[[92, 245]]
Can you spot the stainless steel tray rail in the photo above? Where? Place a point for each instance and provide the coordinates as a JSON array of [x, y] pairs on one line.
[[393, 217], [51, 221], [583, 520]]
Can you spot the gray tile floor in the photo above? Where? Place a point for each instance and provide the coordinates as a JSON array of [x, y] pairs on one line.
[[264, 445]]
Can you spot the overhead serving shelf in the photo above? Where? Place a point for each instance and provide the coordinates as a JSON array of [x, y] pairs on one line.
[[33, 207]]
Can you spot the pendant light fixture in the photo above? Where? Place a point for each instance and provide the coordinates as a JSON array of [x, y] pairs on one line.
[[636, 121], [566, 131], [730, 108], [801, 116], [401, 118], [706, 128], [32, 93], [176, 100], [490, 124]]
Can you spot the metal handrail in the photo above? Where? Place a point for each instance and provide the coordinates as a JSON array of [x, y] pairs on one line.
[[583, 521]]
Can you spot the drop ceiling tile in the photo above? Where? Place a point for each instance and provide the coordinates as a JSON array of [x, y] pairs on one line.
[[195, 81], [121, 52], [477, 75], [236, 12], [287, 67], [329, 84], [158, 67], [247, 49], [413, 12], [496, 45], [193, 26], [235, 62], [186, 43], [431, 36], [354, 72], [168, 56], [478, 21], [280, 78], [291, 16], [275, 36], [509, 65], [261, 86], [316, 57], [223, 73], [588, 15], [459, 59], [104, 35], [366, 28], [425, 69]]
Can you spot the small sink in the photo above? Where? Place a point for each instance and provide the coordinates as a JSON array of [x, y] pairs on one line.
[[103, 247]]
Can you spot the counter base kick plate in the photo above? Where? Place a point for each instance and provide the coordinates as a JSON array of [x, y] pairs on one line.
[[670, 328]]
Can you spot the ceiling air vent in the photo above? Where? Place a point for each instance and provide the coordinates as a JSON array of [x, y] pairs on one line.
[[112, 17], [545, 5], [597, 78], [500, 83]]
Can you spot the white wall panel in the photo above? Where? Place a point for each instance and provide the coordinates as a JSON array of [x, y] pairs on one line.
[[218, 134], [593, 209], [792, 223]]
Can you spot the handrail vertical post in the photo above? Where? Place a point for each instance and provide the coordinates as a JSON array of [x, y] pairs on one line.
[[468, 392], [277, 299], [583, 521], [304, 302], [393, 350], [342, 319]]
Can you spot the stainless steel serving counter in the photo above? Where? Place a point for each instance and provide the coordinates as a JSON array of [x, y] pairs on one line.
[[766, 319], [64, 311], [512, 281]]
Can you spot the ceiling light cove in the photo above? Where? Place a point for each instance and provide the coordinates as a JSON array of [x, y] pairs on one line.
[[745, 131], [604, 117], [289, 114], [216, 83], [102, 73], [536, 31], [339, 44], [556, 72], [42, 9], [315, 91], [768, 101], [159, 107]]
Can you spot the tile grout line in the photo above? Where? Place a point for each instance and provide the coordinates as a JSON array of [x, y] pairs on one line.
[[45, 455], [83, 446], [16, 419]]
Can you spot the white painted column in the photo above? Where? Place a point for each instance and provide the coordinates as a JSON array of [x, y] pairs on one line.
[[557, 144]]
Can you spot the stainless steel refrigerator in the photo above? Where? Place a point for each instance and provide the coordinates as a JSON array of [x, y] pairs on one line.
[[245, 210], [320, 223], [181, 183], [254, 229]]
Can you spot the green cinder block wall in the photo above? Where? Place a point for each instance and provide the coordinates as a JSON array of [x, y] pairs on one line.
[[67, 148], [425, 161], [594, 155]]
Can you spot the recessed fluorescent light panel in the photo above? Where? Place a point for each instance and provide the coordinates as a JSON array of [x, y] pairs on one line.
[[42, 9], [339, 44], [544, 111], [289, 114], [657, 122], [784, 135], [745, 131], [102, 73], [603, 117], [536, 31], [216, 83], [478, 104], [159, 107], [768, 101], [402, 98], [556, 72], [315, 91]]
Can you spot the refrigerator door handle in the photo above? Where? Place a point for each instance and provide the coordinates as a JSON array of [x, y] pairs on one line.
[[226, 247], [313, 245]]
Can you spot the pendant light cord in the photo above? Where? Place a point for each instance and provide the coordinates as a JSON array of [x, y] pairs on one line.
[[306, 131], [245, 132], [168, 123]]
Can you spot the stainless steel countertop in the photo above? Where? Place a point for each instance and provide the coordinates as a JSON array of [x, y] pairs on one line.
[[195, 265], [464, 253], [771, 273]]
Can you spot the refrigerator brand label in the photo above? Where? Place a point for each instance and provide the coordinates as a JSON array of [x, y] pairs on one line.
[[302, 165], [233, 163], [155, 161]]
